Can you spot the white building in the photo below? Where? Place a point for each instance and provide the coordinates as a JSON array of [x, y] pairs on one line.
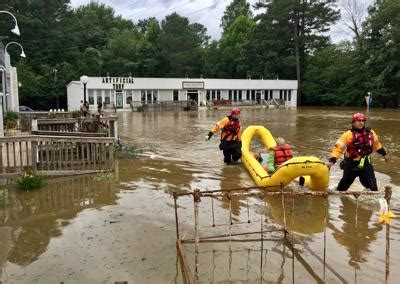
[[122, 91]]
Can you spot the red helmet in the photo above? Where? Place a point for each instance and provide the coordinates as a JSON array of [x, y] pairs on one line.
[[359, 116], [235, 111]]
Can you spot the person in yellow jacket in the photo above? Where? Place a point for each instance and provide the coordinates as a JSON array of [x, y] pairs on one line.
[[231, 131], [357, 145]]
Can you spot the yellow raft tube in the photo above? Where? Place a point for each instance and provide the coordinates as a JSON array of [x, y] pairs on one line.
[[315, 172]]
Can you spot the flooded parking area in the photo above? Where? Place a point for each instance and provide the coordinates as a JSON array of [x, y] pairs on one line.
[[85, 229]]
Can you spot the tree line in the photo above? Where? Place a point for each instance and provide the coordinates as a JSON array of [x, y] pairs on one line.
[[284, 39]]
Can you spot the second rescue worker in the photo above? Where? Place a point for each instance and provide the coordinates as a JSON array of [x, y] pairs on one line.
[[231, 129], [357, 145]]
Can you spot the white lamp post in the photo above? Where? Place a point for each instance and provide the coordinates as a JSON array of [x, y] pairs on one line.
[[22, 55], [15, 30], [14, 42], [84, 80]]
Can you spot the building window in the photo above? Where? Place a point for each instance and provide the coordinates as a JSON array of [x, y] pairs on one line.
[[285, 95], [280, 94], [143, 96], [91, 96], [240, 95], [208, 95], [149, 96], [155, 95], [218, 94], [230, 95], [213, 94], [99, 98], [128, 97], [258, 96], [248, 95], [107, 96], [253, 95], [289, 95], [176, 95], [267, 95]]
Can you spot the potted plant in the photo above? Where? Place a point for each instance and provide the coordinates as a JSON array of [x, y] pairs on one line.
[[11, 120]]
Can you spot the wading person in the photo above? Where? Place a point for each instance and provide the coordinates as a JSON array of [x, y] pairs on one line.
[[357, 145], [230, 136]]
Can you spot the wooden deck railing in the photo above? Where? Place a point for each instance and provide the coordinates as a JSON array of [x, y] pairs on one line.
[[106, 125], [56, 124], [54, 155], [65, 133]]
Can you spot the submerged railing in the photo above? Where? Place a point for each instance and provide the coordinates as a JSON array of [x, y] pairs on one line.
[[290, 238]]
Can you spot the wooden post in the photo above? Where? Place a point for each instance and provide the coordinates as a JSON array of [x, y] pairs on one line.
[[34, 154], [1, 158]]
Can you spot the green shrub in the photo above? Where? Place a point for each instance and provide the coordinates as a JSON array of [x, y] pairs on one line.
[[11, 118], [29, 180], [11, 115], [140, 109]]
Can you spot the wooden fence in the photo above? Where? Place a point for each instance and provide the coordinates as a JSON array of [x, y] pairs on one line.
[[54, 155], [106, 126]]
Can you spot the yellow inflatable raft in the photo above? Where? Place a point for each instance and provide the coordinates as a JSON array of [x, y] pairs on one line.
[[314, 171]]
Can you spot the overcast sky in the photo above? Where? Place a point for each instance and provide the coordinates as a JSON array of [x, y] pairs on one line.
[[205, 12]]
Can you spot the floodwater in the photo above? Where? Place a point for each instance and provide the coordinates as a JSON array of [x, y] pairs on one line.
[[86, 230]]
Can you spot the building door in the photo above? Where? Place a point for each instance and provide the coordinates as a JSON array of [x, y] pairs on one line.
[[193, 95], [258, 96], [119, 100]]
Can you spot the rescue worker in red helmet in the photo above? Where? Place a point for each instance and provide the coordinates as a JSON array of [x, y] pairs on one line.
[[231, 131], [357, 145]]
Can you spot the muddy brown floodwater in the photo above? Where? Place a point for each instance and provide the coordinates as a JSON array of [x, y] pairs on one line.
[[83, 230]]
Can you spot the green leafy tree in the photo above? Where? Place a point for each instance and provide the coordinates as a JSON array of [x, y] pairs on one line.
[[234, 10], [182, 45], [232, 45], [150, 59], [381, 51], [328, 76], [291, 28], [120, 54]]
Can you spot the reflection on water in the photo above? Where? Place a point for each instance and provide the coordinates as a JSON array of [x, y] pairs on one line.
[[357, 232], [303, 214], [30, 219], [77, 211]]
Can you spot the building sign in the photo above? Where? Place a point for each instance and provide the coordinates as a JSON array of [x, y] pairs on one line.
[[118, 82], [192, 85]]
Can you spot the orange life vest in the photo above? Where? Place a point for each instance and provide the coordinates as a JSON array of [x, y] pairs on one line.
[[362, 143], [231, 129], [282, 154]]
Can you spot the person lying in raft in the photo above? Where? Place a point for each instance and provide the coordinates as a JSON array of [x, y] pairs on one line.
[[276, 156]]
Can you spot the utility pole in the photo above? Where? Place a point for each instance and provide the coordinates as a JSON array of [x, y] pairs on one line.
[[55, 86]]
